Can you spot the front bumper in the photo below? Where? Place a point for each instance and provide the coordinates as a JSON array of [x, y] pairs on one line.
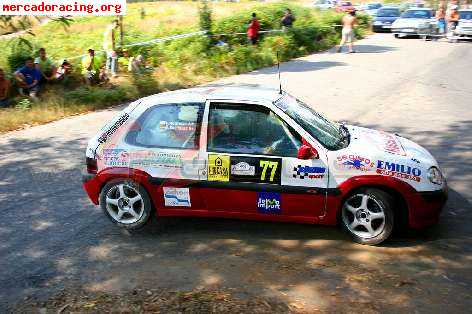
[[382, 28], [425, 207]]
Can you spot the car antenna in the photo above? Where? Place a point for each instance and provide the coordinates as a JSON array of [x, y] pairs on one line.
[[278, 70]]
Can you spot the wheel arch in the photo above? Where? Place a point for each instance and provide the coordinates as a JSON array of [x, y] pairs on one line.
[[394, 187]]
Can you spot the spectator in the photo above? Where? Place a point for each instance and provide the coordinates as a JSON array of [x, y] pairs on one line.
[[91, 67], [453, 18], [441, 17], [137, 64], [110, 47], [28, 78], [288, 19], [347, 34], [221, 42], [124, 60], [45, 66], [253, 30], [4, 90], [63, 71]]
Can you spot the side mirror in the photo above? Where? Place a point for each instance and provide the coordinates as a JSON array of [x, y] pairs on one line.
[[306, 152]]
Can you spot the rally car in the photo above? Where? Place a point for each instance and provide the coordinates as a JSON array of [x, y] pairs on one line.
[[257, 153]]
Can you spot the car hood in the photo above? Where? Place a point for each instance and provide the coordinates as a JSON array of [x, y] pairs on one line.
[[381, 144], [401, 22]]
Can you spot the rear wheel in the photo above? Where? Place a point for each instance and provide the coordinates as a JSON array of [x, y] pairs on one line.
[[126, 203], [367, 216]]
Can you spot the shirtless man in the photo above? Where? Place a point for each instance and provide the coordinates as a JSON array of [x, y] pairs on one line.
[[347, 35]]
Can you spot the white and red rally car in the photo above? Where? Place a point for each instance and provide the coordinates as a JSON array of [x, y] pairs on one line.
[[254, 153]]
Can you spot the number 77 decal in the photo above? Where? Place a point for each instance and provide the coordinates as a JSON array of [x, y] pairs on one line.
[[265, 164]]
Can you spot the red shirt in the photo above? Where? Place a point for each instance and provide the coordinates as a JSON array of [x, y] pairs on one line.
[[253, 29], [4, 86]]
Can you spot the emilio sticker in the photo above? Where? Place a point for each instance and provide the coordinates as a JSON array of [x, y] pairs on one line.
[[269, 203], [218, 168]]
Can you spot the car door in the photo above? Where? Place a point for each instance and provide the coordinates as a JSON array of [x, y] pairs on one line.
[[253, 169]]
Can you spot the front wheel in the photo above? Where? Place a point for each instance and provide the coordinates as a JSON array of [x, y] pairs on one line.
[[367, 216], [126, 203]]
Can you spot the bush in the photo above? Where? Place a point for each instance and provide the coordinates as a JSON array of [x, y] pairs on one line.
[[98, 96]]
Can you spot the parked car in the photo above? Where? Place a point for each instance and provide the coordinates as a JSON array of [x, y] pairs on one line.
[[344, 6], [384, 19], [413, 22], [372, 8], [254, 153], [324, 4], [464, 28]]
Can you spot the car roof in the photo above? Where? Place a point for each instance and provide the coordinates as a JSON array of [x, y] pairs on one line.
[[232, 92], [419, 9], [465, 10]]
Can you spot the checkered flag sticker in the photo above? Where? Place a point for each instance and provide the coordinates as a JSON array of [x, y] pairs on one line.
[[298, 173]]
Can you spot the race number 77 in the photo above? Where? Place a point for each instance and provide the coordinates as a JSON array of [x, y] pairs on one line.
[[268, 164]]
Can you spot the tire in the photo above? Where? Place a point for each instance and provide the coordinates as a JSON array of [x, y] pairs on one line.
[[126, 203], [368, 207]]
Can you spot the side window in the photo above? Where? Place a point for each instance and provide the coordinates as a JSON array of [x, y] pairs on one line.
[[250, 129], [168, 126]]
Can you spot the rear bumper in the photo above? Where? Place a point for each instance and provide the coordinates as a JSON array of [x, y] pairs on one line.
[[425, 207]]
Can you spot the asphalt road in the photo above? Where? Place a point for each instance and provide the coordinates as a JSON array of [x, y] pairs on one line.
[[52, 238]]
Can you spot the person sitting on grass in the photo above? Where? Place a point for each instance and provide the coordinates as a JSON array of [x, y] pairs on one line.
[[4, 90], [63, 71], [91, 67], [45, 66], [28, 78]]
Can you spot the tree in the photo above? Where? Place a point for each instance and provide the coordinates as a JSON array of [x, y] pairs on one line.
[[205, 14]]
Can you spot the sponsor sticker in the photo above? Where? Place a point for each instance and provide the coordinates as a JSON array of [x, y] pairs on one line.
[[354, 162], [307, 172], [116, 157], [242, 168], [218, 168], [177, 197], [269, 203], [105, 136], [398, 171], [155, 159]]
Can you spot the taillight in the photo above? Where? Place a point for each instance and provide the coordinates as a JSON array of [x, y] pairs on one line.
[[91, 165]]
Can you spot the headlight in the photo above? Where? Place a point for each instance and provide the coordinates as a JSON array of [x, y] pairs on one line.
[[435, 176], [378, 23]]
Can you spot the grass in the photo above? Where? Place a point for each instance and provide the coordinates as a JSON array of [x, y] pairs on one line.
[[176, 64]]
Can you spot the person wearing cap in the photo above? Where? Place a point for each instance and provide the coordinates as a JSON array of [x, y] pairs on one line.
[[91, 67], [453, 17], [45, 66], [63, 71]]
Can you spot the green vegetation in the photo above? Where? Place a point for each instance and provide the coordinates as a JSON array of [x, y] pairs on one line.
[[178, 63]]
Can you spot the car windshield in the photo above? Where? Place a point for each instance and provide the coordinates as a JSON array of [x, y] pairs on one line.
[[465, 15], [417, 14], [373, 6], [328, 133], [388, 13]]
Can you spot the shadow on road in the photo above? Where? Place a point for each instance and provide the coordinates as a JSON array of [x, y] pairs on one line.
[[300, 66]]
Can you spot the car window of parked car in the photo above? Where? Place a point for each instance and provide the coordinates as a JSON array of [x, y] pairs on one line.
[[388, 13], [250, 129], [417, 14], [168, 126], [465, 15]]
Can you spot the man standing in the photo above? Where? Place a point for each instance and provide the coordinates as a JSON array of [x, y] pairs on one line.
[[288, 19], [4, 89], [253, 30], [28, 78], [45, 66], [109, 39], [347, 34], [91, 67]]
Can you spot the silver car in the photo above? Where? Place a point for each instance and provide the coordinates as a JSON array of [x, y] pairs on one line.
[[464, 28], [413, 22]]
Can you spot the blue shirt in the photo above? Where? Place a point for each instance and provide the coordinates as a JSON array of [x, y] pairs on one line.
[[30, 74]]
